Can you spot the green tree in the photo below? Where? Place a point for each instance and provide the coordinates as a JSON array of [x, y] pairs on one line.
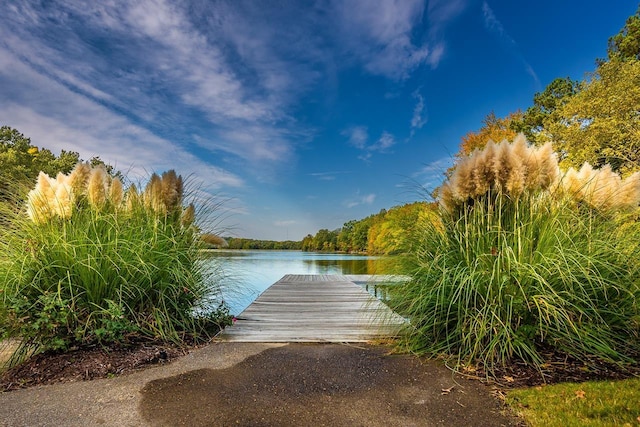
[[601, 123], [344, 236], [626, 44], [390, 233], [545, 103], [20, 159]]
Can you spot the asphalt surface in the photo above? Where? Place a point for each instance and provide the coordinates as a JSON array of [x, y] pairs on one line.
[[249, 384]]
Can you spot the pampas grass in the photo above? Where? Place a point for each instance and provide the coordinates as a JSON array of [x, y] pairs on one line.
[[601, 189], [90, 261], [504, 168], [515, 267]]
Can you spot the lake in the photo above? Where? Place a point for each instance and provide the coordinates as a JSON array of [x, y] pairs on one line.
[[245, 274]]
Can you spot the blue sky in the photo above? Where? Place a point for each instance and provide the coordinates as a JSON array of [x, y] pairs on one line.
[[300, 114]]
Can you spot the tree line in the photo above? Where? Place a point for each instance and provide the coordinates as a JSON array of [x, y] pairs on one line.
[[384, 233]]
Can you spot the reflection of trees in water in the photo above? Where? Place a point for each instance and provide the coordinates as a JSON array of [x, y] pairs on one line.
[[350, 266]]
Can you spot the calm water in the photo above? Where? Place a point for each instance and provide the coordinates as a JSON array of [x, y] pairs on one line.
[[246, 274]]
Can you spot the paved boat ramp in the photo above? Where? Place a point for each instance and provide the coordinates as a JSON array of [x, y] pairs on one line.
[[317, 308]]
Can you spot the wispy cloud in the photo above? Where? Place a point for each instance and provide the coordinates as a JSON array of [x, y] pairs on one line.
[[440, 13], [153, 63], [383, 143], [367, 199], [327, 176], [380, 35], [419, 117], [285, 223], [358, 137], [68, 121], [492, 23]]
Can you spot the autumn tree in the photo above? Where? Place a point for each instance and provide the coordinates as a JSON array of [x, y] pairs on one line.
[[494, 129], [601, 123]]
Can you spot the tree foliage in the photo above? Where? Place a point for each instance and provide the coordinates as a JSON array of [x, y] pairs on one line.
[[494, 129], [243, 243], [601, 123], [19, 159], [389, 234], [545, 103], [626, 44], [21, 162]]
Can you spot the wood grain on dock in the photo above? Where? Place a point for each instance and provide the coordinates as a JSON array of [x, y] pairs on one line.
[[316, 308]]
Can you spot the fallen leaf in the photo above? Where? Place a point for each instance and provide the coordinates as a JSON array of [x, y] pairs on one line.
[[446, 390], [580, 394], [508, 379]]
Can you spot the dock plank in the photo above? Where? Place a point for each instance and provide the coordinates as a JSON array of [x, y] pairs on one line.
[[316, 308]]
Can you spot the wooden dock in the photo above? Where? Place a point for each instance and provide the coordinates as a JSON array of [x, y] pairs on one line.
[[316, 308]]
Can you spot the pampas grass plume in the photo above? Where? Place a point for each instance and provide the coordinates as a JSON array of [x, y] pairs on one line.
[[509, 168], [79, 178], [98, 187], [116, 192], [188, 216], [153, 195]]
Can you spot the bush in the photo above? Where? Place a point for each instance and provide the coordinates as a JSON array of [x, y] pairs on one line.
[[88, 262], [500, 276]]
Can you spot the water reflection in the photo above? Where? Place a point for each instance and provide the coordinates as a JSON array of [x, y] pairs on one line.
[[244, 275]]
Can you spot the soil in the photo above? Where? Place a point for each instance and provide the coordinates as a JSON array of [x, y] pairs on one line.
[[88, 363]]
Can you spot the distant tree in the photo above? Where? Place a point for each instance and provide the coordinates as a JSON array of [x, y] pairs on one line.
[[601, 123], [344, 236], [391, 233]]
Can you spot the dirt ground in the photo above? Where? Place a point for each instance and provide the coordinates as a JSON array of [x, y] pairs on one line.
[[266, 385]]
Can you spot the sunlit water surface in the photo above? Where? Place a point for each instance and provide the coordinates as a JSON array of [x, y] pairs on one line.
[[245, 274]]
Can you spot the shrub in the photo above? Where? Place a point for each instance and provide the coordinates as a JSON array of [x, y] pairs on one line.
[[88, 261], [503, 275]]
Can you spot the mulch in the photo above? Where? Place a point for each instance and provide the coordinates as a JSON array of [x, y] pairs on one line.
[[88, 363]]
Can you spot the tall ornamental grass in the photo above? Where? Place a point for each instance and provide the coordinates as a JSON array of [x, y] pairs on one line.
[[88, 261], [520, 263]]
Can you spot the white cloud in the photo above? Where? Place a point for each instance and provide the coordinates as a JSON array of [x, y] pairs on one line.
[[383, 143], [61, 119], [380, 34], [419, 118], [361, 200], [432, 175], [328, 176], [358, 136], [159, 67]]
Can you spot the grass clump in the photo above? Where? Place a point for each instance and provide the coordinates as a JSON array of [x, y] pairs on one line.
[[513, 268], [592, 404], [87, 261]]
